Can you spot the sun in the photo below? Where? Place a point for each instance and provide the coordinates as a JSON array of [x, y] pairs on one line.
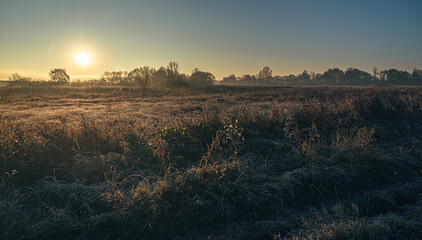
[[82, 58]]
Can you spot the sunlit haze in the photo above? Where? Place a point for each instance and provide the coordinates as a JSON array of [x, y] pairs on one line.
[[82, 58], [222, 37]]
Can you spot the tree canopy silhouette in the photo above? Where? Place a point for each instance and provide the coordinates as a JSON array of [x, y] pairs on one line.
[[59, 75], [142, 76], [201, 79]]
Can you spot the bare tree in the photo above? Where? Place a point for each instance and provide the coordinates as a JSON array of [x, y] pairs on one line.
[[142, 76], [18, 78], [115, 77], [173, 69], [174, 79]]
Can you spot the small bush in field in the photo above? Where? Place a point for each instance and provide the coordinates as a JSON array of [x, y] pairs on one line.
[[190, 140]]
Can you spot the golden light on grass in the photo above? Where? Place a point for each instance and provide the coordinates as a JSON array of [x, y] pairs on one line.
[[82, 58]]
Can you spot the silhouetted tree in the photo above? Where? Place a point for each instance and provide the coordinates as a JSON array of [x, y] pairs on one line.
[[18, 78], [142, 76], [59, 75], [290, 79], [312, 76], [382, 76], [230, 79], [248, 78], [201, 79], [115, 77], [174, 78], [394, 76], [265, 75], [173, 69], [417, 76], [355, 76], [124, 79], [159, 78], [171, 77], [182, 81], [303, 78], [375, 72], [172, 74]]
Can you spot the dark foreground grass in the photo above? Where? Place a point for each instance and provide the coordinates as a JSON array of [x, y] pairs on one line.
[[287, 163]]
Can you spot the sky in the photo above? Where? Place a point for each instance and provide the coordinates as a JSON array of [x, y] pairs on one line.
[[221, 36]]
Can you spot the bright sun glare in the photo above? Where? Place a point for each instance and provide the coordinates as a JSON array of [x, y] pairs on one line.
[[82, 58]]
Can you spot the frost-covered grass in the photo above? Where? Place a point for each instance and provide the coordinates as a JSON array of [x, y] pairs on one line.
[[217, 163]]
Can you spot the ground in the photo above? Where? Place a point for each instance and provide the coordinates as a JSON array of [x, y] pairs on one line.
[[93, 162]]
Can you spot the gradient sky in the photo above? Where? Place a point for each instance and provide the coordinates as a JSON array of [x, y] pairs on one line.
[[219, 36]]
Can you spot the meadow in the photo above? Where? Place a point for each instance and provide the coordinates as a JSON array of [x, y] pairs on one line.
[[98, 162]]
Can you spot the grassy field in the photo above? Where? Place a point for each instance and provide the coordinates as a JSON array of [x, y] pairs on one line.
[[217, 163], [4, 83]]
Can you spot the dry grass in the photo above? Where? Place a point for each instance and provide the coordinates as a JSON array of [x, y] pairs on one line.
[[217, 163]]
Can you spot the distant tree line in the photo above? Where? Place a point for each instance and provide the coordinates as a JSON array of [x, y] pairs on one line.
[[57, 76], [164, 77], [333, 76], [17, 79], [171, 77]]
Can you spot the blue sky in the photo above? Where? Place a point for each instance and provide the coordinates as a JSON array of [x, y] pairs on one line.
[[223, 37]]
